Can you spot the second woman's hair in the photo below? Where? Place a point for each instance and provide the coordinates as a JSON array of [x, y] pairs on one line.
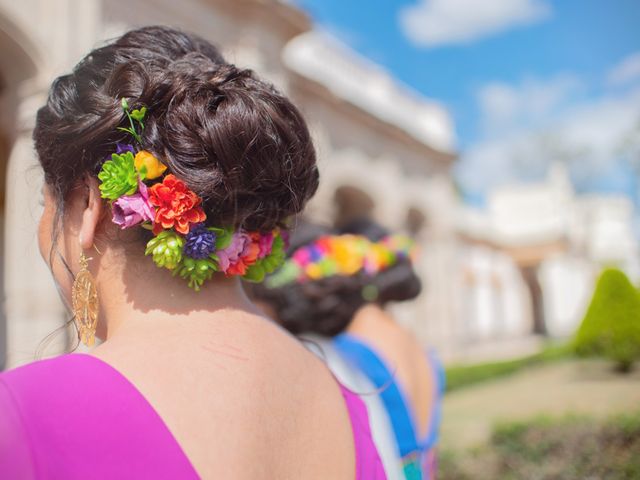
[[328, 305]]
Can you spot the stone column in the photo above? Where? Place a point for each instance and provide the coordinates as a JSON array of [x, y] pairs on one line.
[[33, 308]]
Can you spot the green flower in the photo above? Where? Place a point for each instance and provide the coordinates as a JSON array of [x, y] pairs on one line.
[[118, 176], [268, 264], [328, 267], [255, 273], [196, 271], [166, 249], [276, 258]]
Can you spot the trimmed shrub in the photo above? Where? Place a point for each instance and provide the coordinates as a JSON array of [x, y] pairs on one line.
[[611, 327]]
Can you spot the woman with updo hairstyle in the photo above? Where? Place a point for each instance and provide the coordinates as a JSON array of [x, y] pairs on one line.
[[345, 315], [169, 175]]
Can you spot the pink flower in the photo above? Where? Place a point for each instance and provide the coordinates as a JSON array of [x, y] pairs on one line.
[[264, 242], [230, 255], [248, 257], [131, 210], [302, 256]]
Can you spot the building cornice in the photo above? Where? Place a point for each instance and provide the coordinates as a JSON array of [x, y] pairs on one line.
[[288, 19]]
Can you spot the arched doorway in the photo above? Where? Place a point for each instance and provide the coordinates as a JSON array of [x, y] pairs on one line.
[[351, 203], [416, 221]]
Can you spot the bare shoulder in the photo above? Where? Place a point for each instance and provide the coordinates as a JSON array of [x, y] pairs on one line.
[[243, 390], [387, 336]]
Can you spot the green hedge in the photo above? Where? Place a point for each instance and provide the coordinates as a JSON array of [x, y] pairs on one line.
[[459, 376], [611, 326]]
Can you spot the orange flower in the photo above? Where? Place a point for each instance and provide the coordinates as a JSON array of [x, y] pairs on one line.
[[177, 206]]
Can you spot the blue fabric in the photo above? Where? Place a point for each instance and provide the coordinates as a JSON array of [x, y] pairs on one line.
[[370, 363], [438, 370], [411, 448]]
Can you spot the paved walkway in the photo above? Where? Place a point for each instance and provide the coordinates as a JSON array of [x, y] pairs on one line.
[[574, 386]]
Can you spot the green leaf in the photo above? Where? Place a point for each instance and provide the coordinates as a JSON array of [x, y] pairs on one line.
[[123, 129], [138, 115], [223, 238]]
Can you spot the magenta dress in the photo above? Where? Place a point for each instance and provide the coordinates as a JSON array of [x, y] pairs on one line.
[[76, 417]]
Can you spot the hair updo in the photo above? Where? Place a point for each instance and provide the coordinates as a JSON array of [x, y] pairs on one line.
[[327, 306], [234, 140]]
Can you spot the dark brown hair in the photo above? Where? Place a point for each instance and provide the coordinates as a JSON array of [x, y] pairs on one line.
[[231, 137]]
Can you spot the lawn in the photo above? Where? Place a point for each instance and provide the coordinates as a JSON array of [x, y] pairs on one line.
[[488, 428], [547, 448]]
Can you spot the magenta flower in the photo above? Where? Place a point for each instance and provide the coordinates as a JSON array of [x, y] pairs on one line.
[[265, 243], [230, 255], [302, 256], [131, 210]]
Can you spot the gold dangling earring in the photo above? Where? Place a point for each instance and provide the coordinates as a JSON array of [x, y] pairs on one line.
[[84, 299]]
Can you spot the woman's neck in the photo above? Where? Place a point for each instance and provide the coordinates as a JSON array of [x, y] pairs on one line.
[[369, 316], [138, 307], [372, 311]]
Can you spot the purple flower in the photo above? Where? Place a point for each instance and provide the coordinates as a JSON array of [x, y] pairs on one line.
[[124, 147], [286, 238], [200, 242], [315, 253], [131, 210], [231, 254]]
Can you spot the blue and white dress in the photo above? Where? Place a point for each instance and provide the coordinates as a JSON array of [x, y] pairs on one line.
[[416, 456]]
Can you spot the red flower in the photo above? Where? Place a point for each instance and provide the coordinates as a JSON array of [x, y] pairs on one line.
[[177, 206]]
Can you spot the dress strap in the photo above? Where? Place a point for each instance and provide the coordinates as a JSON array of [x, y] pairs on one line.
[[371, 364]]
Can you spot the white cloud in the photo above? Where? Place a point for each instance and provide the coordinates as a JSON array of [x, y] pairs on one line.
[[626, 71], [505, 107], [440, 22], [587, 135]]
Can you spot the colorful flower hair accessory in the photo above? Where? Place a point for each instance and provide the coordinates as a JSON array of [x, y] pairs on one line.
[[342, 255], [142, 192]]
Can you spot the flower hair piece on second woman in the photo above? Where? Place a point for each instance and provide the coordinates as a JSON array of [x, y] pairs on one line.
[[142, 192], [344, 255]]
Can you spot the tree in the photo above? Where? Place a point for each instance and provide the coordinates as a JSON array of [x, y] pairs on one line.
[[611, 326]]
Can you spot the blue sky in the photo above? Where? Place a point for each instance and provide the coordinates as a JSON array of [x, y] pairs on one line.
[[526, 81]]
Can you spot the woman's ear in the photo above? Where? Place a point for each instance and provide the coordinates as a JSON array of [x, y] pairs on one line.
[[92, 213]]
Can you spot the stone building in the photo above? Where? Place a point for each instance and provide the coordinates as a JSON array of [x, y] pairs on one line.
[[555, 241], [383, 150]]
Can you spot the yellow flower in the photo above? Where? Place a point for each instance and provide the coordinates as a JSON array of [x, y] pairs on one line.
[[348, 254], [153, 168], [314, 271]]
